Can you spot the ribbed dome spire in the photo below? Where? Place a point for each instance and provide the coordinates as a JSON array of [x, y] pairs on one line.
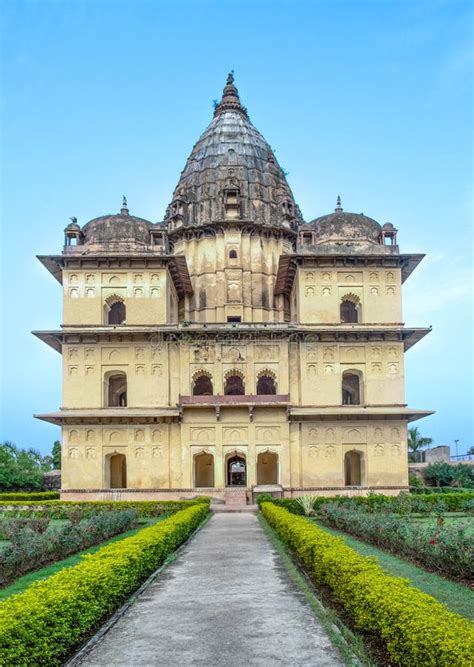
[[232, 175], [230, 98]]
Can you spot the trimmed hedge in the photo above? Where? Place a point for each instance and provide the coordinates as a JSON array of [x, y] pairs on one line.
[[415, 628], [42, 625], [439, 489], [452, 502], [57, 509], [40, 495]]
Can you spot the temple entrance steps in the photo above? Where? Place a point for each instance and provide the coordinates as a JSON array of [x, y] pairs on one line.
[[235, 500], [235, 496]]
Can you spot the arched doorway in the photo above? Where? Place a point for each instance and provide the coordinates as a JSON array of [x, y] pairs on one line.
[[115, 389], [267, 468], [204, 470], [117, 471], [236, 471], [351, 388], [353, 469]]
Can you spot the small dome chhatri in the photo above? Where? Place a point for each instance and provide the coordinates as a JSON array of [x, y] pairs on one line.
[[343, 229], [117, 228]]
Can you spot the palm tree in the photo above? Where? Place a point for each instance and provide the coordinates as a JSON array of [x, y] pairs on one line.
[[416, 442]]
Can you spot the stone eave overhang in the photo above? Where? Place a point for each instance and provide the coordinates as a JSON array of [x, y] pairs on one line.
[[356, 412], [265, 333], [176, 265], [243, 224], [115, 416], [288, 264]]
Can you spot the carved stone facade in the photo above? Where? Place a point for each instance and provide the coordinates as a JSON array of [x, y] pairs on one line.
[[233, 344]]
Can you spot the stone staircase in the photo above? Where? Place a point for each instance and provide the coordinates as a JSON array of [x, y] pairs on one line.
[[235, 501]]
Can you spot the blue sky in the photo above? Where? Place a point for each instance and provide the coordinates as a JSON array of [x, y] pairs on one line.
[[370, 100]]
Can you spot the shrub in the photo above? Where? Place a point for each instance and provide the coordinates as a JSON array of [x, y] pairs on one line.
[[447, 549], [307, 504], [264, 498], [42, 625], [415, 628], [58, 509], [375, 502], [42, 495], [30, 548]]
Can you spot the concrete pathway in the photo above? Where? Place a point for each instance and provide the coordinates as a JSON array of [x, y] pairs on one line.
[[226, 601]]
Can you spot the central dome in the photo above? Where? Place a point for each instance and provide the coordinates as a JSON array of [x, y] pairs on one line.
[[232, 175]]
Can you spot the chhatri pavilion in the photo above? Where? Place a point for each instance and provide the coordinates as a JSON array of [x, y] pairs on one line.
[[232, 348]]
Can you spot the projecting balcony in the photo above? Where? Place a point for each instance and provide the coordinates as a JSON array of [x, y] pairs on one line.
[[243, 399]]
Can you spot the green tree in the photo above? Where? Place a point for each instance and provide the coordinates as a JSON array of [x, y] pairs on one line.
[[56, 455], [416, 442], [21, 469], [471, 450], [439, 474]]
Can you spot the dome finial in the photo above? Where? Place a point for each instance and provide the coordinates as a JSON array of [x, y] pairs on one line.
[[124, 210], [230, 98], [338, 204]]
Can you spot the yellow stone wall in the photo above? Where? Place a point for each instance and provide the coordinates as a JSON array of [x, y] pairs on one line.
[[319, 293], [233, 287], [158, 372], [310, 454], [146, 294]]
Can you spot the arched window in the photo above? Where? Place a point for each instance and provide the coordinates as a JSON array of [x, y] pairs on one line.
[[116, 471], [351, 388], [350, 310], [202, 385], [266, 384], [233, 254], [115, 311], [116, 390], [203, 470], [234, 384], [353, 469]]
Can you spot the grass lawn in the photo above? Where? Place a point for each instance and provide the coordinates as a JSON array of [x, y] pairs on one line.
[[456, 597], [23, 582]]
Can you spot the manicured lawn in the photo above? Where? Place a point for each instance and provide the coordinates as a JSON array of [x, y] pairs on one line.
[[456, 597], [21, 583]]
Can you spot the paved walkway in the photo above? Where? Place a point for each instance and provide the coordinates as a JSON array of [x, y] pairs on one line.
[[227, 601]]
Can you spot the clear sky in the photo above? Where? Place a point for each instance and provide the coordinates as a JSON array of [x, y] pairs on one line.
[[370, 100]]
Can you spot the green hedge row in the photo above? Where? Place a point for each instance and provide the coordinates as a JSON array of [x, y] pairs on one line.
[[42, 625], [57, 509], [453, 502], [40, 495], [415, 628], [439, 489]]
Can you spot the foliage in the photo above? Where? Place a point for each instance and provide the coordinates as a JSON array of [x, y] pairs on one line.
[[416, 441], [264, 498], [43, 624], [307, 504], [375, 502], [441, 489], [21, 469], [56, 455], [443, 474], [415, 628], [448, 550], [414, 482], [470, 451], [31, 547], [58, 509], [40, 495]]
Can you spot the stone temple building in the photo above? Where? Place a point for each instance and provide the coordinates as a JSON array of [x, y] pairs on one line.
[[232, 347]]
